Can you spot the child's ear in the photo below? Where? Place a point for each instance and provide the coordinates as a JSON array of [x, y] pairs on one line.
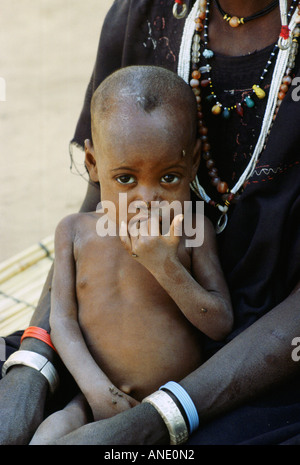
[[90, 160], [196, 158]]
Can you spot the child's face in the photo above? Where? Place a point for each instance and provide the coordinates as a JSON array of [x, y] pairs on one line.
[[149, 157]]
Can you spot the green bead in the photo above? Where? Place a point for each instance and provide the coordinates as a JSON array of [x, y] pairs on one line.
[[249, 102], [226, 113], [210, 98]]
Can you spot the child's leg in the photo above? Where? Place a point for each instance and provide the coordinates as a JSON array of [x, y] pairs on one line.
[[76, 414]]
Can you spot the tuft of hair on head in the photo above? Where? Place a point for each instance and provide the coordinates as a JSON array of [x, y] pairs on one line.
[[147, 87]]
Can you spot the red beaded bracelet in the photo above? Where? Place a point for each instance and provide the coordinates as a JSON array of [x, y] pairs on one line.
[[38, 333]]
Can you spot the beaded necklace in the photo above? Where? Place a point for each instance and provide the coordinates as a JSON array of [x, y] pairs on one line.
[[189, 70], [248, 101], [234, 21]]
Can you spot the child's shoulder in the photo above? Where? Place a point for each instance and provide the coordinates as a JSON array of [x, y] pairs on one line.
[[73, 223]]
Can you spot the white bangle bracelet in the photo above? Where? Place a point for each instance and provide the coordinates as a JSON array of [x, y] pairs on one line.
[[171, 415], [36, 361]]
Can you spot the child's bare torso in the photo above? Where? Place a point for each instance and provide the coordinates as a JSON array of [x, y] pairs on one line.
[[133, 329]]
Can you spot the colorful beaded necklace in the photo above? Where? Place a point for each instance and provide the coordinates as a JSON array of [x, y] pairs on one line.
[[249, 99], [189, 70]]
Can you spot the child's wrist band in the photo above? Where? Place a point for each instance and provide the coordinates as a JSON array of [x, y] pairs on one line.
[[186, 403], [171, 415], [38, 333]]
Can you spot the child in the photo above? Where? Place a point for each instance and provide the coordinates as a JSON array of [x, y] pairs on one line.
[[127, 310]]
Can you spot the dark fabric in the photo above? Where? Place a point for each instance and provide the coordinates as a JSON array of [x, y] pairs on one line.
[[270, 420], [260, 248], [12, 343]]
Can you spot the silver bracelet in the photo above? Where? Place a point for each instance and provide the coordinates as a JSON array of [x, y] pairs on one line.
[[36, 361], [171, 415]]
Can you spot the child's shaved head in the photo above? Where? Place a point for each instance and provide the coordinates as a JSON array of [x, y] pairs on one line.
[[148, 88]]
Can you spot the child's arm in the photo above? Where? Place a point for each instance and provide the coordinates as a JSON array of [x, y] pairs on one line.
[[203, 297], [67, 336]]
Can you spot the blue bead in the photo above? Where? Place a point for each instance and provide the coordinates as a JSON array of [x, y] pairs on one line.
[[226, 113], [249, 102]]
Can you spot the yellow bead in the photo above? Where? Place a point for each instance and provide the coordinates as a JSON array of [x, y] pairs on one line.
[[216, 109], [259, 92]]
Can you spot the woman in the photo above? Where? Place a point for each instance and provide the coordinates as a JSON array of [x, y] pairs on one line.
[[246, 392]]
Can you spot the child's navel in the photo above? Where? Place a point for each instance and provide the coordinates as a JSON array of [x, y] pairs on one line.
[[82, 282]]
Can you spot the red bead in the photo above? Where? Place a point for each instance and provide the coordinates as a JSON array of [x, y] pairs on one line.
[[203, 131], [204, 82], [281, 95], [284, 88], [222, 187], [239, 109]]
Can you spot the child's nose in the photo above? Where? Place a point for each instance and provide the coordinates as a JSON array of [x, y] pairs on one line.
[[147, 196]]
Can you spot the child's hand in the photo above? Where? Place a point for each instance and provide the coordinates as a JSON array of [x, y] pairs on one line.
[[109, 402], [151, 249]]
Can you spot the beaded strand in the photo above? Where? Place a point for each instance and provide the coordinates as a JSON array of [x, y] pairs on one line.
[[248, 101], [234, 21], [288, 62]]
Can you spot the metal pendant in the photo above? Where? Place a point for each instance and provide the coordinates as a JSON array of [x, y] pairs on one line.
[[222, 223], [183, 12], [284, 44]]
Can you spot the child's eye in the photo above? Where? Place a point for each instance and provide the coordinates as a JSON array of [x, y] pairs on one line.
[[125, 179], [170, 178]]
